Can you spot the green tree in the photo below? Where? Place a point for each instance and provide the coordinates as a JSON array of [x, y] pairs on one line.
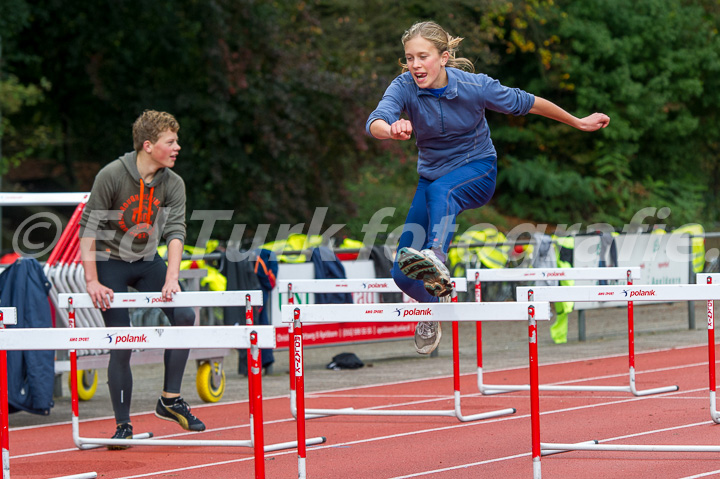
[[646, 64]]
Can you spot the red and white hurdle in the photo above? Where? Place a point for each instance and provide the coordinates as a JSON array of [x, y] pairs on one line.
[[252, 337], [561, 274], [656, 293], [394, 312], [711, 279], [183, 299], [379, 285]]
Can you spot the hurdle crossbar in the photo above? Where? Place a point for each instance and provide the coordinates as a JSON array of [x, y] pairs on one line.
[[626, 274], [164, 335], [655, 293], [379, 285], [42, 199], [393, 312]]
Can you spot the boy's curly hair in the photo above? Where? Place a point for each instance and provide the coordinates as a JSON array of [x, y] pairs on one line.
[[150, 125]]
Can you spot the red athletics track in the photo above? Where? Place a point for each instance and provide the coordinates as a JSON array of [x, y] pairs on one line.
[[437, 447]]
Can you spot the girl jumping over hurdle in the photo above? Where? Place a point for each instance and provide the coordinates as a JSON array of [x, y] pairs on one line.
[[445, 103]]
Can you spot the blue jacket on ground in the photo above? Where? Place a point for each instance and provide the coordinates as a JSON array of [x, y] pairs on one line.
[[31, 374], [451, 130], [328, 266]]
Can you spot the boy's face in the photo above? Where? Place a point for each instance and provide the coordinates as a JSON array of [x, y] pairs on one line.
[[165, 150]]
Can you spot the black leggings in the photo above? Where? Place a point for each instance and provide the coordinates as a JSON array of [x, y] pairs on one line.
[[144, 276]]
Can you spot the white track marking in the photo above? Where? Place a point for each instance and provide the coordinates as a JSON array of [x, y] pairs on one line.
[[445, 428]]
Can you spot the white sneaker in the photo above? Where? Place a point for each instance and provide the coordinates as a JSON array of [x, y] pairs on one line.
[[427, 336], [425, 266], [429, 333]]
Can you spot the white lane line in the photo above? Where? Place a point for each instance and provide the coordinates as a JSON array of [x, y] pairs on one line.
[[418, 432], [328, 391], [704, 474], [516, 456], [409, 403], [446, 428]]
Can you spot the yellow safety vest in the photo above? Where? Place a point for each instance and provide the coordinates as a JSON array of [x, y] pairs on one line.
[[214, 280], [697, 242], [490, 256], [294, 242]]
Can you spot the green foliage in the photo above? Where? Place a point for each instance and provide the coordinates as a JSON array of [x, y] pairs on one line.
[[26, 142], [652, 66], [541, 189], [272, 98]]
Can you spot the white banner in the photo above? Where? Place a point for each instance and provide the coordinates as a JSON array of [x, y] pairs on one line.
[[662, 259]]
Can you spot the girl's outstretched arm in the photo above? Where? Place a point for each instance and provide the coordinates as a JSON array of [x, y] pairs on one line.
[[550, 110]]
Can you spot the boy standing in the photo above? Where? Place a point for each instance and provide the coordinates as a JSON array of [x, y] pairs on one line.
[[134, 200]]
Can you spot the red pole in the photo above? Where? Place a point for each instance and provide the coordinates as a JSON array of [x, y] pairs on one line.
[[4, 430], [256, 412], [291, 300], [534, 388], [251, 382], [299, 392], [65, 235], [73, 364], [456, 350], [478, 324], [631, 326], [711, 339]]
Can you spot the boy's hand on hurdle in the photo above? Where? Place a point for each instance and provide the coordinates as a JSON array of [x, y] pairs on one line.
[[170, 287], [101, 295]]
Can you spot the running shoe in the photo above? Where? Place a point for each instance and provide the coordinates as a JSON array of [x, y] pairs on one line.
[[428, 333], [123, 431], [427, 336], [178, 411], [425, 266]]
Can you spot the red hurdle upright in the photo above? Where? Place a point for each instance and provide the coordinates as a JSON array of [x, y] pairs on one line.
[[708, 279]]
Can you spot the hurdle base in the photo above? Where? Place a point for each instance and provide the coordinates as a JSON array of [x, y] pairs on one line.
[[84, 443], [492, 389], [589, 446], [313, 413], [91, 442], [714, 413], [84, 475], [550, 452], [146, 439]]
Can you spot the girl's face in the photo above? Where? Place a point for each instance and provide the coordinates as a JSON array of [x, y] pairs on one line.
[[426, 63]]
